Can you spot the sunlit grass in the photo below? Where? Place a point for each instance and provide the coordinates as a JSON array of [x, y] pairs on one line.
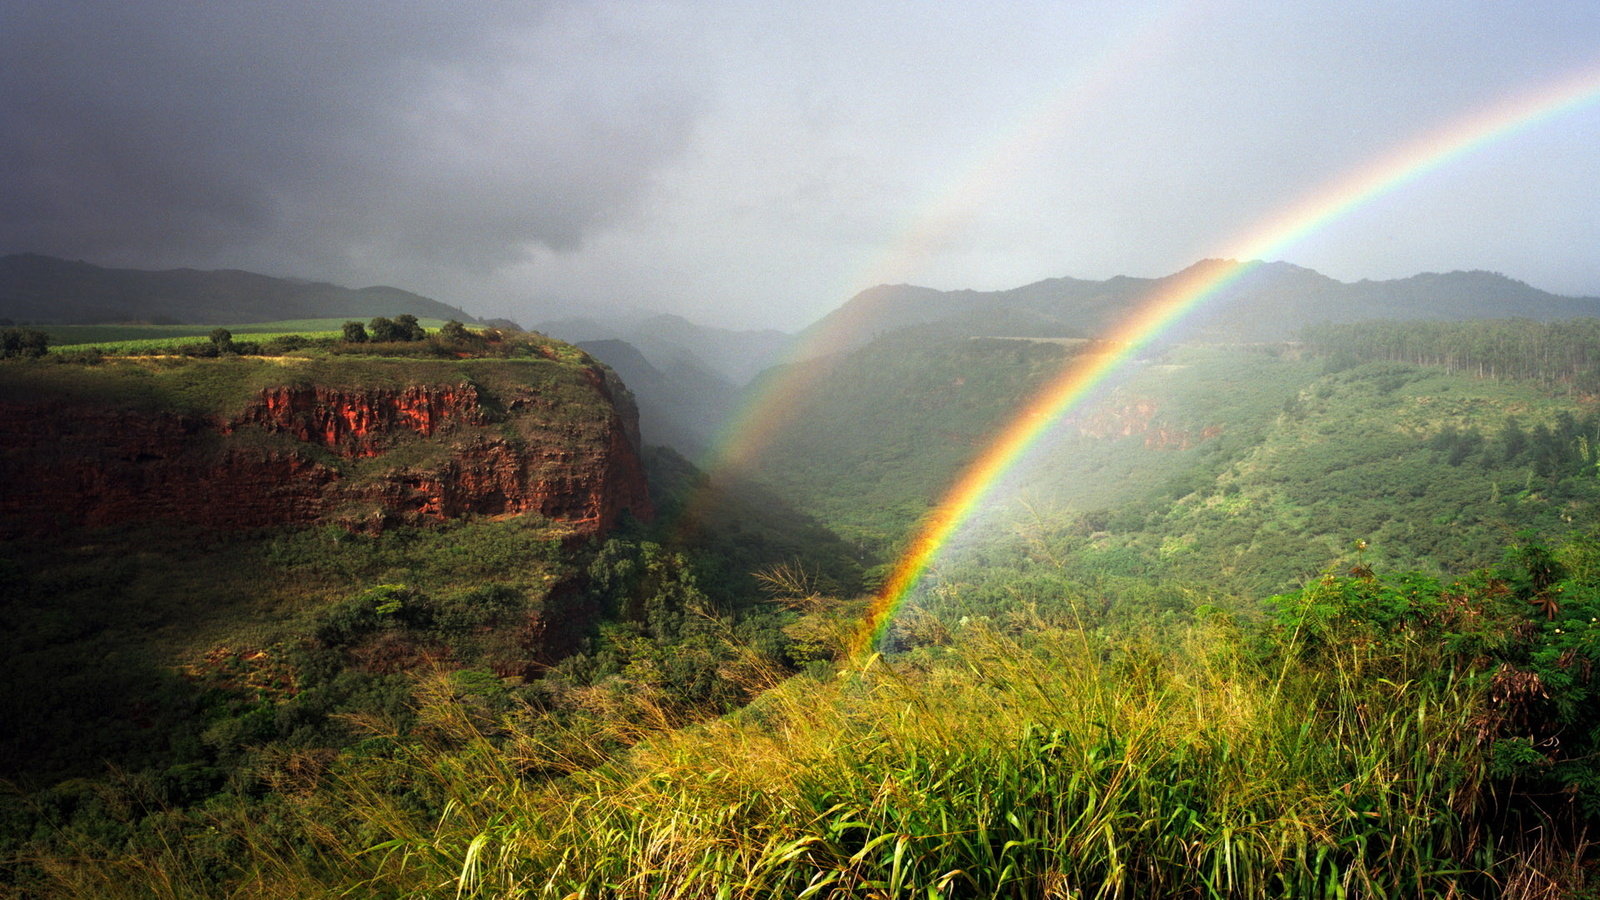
[[1018, 763], [162, 345], [76, 336]]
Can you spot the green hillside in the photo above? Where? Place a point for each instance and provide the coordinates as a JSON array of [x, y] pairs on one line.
[[882, 432], [1248, 469]]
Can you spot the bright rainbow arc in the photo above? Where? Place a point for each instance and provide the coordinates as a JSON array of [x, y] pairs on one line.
[[1183, 293]]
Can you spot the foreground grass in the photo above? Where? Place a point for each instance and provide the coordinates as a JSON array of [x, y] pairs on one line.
[[1046, 765]]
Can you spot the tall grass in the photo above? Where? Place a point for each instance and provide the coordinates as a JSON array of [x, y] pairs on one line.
[[1052, 765]]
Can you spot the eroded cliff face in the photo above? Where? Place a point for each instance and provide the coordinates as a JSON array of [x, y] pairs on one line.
[[356, 423], [558, 442], [1139, 417]]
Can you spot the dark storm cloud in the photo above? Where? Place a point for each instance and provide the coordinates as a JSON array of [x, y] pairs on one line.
[[755, 164], [333, 137]]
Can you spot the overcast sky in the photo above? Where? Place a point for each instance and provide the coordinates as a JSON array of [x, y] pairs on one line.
[[755, 164]]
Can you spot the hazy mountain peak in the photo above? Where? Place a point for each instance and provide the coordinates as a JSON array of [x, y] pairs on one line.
[[672, 319], [1476, 277], [670, 341]]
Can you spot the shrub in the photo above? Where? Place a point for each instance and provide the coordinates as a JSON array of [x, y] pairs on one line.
[[25, 343], [286, 343], [385, 331], [1522, 638], [409, 328], [386, 605]]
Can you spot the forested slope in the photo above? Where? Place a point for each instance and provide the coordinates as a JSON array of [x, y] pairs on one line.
[[1249, 469]]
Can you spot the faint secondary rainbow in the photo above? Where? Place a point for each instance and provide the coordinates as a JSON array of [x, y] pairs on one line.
[[955, 203], [932, 223], [1181, 294]]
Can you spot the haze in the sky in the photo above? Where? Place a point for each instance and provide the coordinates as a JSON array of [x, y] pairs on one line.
[[755, 164]]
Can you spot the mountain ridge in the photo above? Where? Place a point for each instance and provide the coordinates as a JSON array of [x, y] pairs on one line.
[[667, 340], [681, 402], [44, 289], [1266, 301]]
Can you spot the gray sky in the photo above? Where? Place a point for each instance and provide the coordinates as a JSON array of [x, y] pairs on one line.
[[755, 164]]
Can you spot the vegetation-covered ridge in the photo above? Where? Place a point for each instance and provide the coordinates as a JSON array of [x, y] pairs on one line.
[[403, 335], [332, 357]]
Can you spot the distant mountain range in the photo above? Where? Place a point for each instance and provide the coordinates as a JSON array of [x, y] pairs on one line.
[[668, 341], [687, 377], [680, 405], [1270, 301], [45, 290]]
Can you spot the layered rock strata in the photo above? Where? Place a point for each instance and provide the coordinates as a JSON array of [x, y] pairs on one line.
[[299, 454]]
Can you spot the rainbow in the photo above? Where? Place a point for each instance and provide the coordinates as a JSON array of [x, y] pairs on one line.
[[1174, 298]]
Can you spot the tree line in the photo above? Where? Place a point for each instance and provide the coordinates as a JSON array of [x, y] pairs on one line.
[[1556, 353]]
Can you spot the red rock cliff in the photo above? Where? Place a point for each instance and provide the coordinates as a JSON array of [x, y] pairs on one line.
[[1139, 417], [304, 454], [363, 423]]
